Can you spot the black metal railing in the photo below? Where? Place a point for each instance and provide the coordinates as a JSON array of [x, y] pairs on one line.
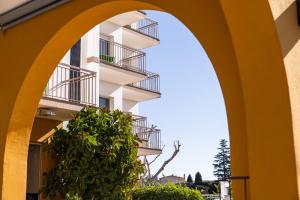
[[139, 124], [150, 136], [151, 83], [122, 56], [153, 138], [143, 12], [72, 84], [146, 26]]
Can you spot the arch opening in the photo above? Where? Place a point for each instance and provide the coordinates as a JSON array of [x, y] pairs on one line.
[[231, 68]]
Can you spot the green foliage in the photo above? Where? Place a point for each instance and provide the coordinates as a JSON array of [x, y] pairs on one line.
[[198, 179], [222, 161], [213, 187], [189, 179], [166, 192], [205, 187], [107, 58], [96, 157]]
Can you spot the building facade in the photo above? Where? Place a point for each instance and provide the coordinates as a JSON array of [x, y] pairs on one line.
[[105, 68]]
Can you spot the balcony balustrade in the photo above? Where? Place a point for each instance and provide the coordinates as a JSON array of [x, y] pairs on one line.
[[151, 83], [121, 56], [153, 138], [72, 84], [150, 137], [146, 27]]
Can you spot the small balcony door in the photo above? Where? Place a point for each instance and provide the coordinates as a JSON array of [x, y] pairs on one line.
[[104, 48]]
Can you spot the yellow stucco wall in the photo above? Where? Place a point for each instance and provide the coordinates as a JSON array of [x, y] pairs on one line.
[[43, 127], [246, 45], [284, 14]]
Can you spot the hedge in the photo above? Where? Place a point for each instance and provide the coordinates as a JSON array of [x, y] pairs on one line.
[[166, 192]]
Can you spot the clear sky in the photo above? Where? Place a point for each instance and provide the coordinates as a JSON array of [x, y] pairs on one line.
[[192, 108]]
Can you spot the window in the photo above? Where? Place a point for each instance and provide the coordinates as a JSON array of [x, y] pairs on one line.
[[104, 47], [75, 53], [74, 90], [104, 103]]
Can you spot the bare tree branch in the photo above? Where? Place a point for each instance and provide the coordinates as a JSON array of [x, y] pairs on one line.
[[177, 146], [147, 178], [156, 157], [148, 166], [145, 169]]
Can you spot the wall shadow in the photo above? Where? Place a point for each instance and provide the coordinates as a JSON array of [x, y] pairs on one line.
[[288, 29]]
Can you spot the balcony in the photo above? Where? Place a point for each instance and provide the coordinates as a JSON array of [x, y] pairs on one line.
[[150, 137], [121, 56], [127, 18], [120, 64], [146, 89], [69, 89], [146, 27], [141, 34]]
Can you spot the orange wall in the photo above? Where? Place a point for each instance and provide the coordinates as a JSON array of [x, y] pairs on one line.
[[243, 43], [42, 127]]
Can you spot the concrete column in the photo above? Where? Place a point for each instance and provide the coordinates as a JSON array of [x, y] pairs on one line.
[[90, 48], [117, 96]]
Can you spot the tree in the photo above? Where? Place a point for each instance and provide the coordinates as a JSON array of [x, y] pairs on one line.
[[222, 161], [96, 157], [198, 179], [189, 179], [148, 177]]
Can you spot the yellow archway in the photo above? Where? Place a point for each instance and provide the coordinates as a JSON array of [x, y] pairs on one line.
[[241, 40]]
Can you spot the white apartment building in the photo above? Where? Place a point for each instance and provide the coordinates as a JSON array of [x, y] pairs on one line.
[[105, 68]]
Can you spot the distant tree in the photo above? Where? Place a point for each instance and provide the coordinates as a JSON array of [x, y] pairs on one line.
[[189, 179], [198, 179], [222, 161]]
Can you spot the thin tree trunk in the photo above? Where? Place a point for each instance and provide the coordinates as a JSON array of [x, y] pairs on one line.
[[177, 149]]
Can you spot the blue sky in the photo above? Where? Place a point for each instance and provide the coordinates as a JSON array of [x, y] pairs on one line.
[[192, 108]]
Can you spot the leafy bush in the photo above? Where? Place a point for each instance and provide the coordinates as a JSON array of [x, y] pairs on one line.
[[107, 58], [166, 192], [96, 157]]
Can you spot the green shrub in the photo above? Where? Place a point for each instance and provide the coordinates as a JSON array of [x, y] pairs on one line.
[[107, 58], [166, 192], [96, 158]]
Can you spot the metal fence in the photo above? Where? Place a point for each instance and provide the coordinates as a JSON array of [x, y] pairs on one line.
[[151, 83], [146, 26], [72, 84], [242, 180], [211, 196], [121, 56], [215, 197], [150, 136]]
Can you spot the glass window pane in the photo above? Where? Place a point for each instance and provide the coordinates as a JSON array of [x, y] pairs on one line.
[[104, 103]]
